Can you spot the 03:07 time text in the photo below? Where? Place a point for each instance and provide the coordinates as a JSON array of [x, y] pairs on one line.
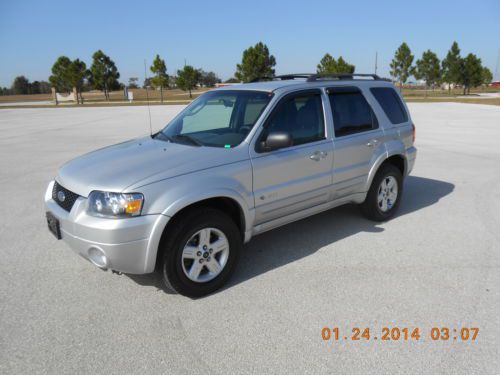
[[400, 334]]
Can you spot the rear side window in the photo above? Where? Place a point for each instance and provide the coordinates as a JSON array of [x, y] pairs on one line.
[[351, 112], [391, 103]]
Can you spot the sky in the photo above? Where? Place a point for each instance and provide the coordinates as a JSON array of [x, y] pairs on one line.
[[213, 34]]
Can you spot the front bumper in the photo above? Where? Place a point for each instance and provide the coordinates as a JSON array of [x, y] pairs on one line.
[[130, 245]]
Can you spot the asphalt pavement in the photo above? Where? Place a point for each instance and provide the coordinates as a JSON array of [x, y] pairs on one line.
[[436, 264]]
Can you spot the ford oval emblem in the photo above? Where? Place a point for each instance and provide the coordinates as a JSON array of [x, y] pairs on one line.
[[61, 196]]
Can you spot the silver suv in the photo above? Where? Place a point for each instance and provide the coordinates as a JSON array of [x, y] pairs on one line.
[[238, 161]]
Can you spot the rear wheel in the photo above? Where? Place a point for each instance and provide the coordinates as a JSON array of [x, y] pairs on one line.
[[384, 196], [200, 252]]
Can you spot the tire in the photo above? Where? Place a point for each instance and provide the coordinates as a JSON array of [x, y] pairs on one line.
[[185, 240], [372, 208]]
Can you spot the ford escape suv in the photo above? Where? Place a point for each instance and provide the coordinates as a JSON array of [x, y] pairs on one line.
[[238, 161]]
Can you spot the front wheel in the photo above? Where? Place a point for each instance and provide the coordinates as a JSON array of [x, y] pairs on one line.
[[384, 196], [200, 252]]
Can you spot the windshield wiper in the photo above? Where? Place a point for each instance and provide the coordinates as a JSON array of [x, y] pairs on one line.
[[188, 138], [161, 135]]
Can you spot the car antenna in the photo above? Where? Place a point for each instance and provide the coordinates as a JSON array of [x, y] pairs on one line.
[[147, 98]]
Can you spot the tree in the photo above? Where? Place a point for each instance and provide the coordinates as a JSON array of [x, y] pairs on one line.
[[328, 65], [187, 78], [77, 71], [428, 69], [159, 68], [471, 72], [401, 64], [256, 62], [232, 80], [34, 87], [487, 76], [209, 79], [21, 85], [44, 87], [103, 73], [60, 75], [147, 83], [451, 66], [132, 83]]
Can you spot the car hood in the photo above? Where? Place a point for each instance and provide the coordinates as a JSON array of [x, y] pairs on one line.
[[117, 167]]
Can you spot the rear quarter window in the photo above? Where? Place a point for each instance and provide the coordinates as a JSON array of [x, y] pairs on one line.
[[391, 103]]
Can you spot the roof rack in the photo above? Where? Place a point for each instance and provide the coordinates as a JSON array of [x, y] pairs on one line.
[[295, 75], [340, 76], [312, 77], [283, 77]]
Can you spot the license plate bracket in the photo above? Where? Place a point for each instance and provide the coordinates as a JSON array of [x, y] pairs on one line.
[[53, 224]]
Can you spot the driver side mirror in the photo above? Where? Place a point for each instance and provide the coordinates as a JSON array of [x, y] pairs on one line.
[[276, 140]]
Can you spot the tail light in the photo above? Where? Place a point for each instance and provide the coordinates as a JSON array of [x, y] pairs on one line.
[[413, 132]]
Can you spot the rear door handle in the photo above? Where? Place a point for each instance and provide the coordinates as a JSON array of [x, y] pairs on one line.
[[372, 143]]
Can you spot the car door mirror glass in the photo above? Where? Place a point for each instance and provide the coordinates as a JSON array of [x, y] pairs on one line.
[[277, 140]]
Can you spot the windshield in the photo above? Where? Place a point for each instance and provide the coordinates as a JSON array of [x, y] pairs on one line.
[[217, 118]]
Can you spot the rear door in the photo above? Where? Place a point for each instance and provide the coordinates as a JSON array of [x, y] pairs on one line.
[[292, 179], [357, 137]]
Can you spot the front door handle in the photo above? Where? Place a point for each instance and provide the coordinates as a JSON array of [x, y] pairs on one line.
[[315, 157], [318, 155]]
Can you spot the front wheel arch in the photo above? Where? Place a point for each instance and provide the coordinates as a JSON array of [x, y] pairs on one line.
[[226, 205], [173, 246]]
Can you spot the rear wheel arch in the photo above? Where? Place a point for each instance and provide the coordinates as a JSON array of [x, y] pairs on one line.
[[396, 159], [384, 195], [399, 161]]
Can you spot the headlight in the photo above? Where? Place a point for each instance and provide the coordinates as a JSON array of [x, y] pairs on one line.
[[114, 205]]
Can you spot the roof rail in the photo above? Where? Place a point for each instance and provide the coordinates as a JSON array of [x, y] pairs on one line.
[[295, 75], [340, 76], [312, 77], [283, 77]]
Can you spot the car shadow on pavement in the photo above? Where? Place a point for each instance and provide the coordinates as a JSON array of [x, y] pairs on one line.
[[302, 238]]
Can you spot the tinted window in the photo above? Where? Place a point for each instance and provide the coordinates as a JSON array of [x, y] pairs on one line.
[[301, 116], [351, 112], [390, 102]]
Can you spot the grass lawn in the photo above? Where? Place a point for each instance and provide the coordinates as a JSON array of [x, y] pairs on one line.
[[176, 96], [469, 100], [173, 96]]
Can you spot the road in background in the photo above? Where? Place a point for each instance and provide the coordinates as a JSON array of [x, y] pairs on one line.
[[436, 264]]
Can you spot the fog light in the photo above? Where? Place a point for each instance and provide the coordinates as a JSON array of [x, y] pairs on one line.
[[98, 257]]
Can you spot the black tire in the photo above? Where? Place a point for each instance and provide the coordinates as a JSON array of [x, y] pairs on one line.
[[370, 207], [179, 234]]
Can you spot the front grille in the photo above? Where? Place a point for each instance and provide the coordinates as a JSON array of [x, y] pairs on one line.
[[69, 197]]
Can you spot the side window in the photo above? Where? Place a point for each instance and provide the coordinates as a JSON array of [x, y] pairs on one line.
[[253, 110], [391, 103], [351, 112], [301, 116]]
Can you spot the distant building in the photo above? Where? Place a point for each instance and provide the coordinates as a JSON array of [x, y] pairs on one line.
[[448, 86], [495, 83]]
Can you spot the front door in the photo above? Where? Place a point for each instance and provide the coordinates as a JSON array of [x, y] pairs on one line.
[[292, 179]]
